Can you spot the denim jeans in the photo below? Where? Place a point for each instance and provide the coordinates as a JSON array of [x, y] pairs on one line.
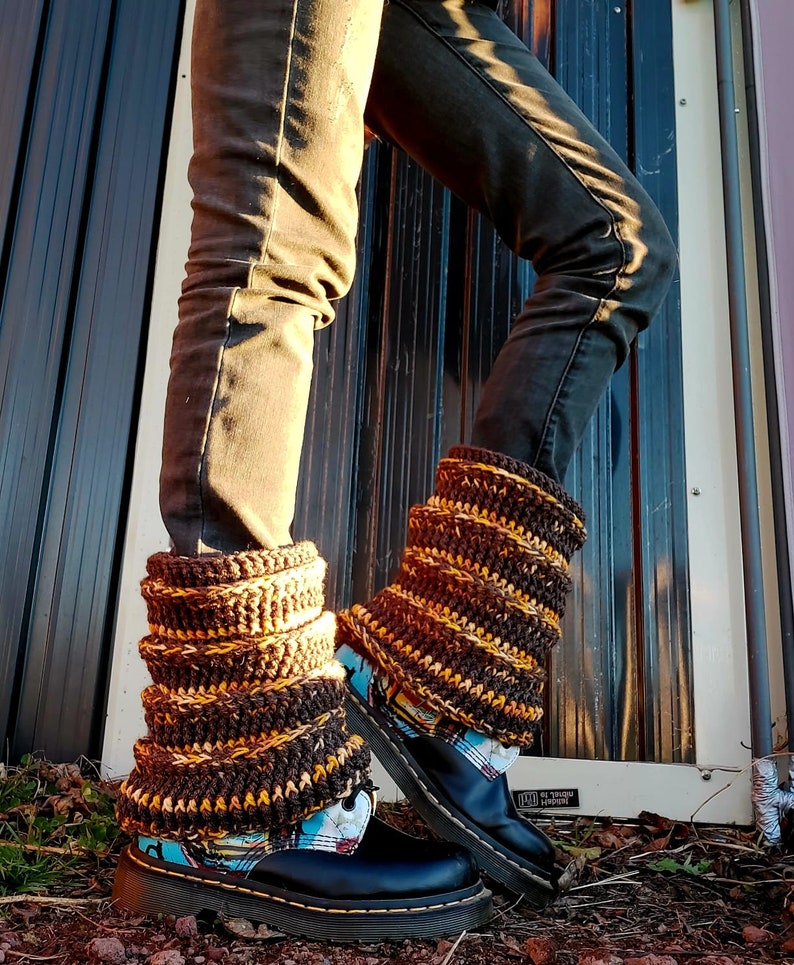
[[280, 90]]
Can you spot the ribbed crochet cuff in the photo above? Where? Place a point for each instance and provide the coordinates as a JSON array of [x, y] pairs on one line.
[[246, 724], [479, 596]]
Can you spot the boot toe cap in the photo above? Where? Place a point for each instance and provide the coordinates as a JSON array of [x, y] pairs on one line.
[[387, 864]]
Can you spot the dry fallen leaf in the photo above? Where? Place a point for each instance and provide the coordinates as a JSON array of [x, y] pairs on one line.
[[755, 936], [239, 927], [541, 951]]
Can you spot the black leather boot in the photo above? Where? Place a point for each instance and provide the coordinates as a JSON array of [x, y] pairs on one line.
[[391, 887], [250, 794], [461, 804], [463, 632]]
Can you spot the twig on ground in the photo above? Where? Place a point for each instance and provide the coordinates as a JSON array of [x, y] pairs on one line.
[[46, 848], [25, 957], [46, 900], [615, 879], [506, 911], [662, 852], [99, 924], [452, 950], [751, 884]]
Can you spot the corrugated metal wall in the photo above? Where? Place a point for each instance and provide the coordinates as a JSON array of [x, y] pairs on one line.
[[399, 374], [84, 96]]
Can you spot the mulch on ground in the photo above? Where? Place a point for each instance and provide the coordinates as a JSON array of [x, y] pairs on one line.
[[651, 892]]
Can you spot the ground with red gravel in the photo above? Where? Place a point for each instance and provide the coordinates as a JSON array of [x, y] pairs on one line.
[[651, 892]]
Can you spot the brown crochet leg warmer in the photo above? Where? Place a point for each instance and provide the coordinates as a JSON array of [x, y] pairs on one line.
[[246, 725], [479, 596]]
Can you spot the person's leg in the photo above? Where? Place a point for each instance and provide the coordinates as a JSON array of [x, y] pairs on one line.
[[459, 92], [249, 795], [278, 95], [462, 633]]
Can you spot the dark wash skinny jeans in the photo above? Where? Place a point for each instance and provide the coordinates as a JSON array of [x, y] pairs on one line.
[[280, 90]]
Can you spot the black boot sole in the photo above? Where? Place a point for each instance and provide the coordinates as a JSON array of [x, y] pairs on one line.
[[442, 815], [148, 886]]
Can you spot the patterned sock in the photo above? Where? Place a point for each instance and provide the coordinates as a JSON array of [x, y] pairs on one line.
[[414, 718], [338, 829], [247, 731], [476, 606]]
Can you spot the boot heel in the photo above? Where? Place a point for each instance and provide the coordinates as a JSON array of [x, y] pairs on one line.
[[149, 893]]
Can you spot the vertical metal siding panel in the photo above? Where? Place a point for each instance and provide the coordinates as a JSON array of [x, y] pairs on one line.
[[20, 27], [19, 33], [581, 724], [331, 463], [623, 664], [34, 318], [412, 364], [668, 693], [400, 406], [629, 679], [382, 168], [593, 701], [323, 511], [72, 609]]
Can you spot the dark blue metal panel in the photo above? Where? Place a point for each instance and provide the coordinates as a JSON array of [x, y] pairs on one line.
[[413, 340], [61, 704], [80, 186], [594, 700], [338, 461], [35, 317], [661, 483], [20, 29]]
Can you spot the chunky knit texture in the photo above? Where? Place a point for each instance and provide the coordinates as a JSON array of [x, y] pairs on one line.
[[479, 595], [246, 726]]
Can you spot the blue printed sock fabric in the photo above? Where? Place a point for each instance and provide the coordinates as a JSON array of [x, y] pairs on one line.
[[413, 718], [338, 828]]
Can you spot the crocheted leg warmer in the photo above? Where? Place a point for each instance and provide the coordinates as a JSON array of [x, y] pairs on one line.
[[478, 599], [246, 725]]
